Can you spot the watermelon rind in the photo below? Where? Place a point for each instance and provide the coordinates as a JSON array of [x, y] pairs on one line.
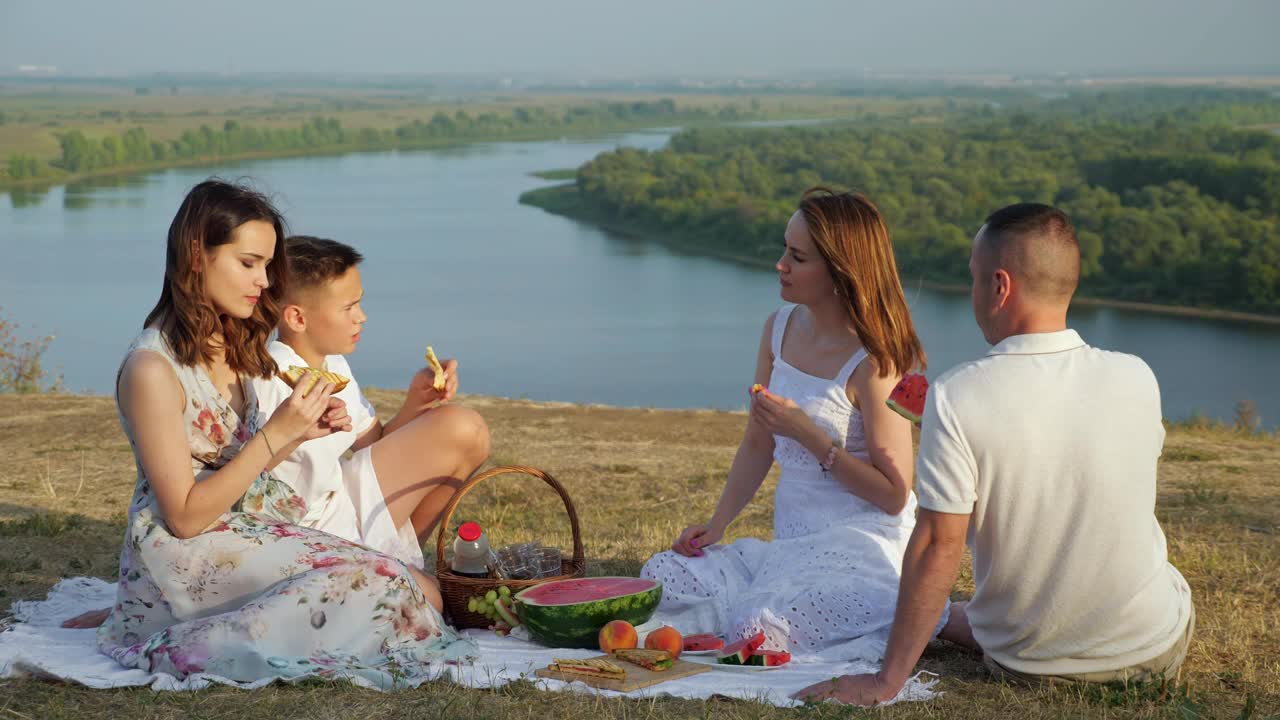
[[904, 412], [739, 652], [577, 624], [907, 398], [769, 658]]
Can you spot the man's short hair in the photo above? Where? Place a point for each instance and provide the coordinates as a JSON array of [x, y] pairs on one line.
[[315, 261], [1037, 245]]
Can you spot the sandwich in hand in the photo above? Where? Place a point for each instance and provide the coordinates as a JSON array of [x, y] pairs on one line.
[[310, 376], [592, 667], [438, 381]]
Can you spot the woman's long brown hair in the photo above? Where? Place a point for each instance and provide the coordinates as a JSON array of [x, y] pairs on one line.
[[188, 320], [852, 237]]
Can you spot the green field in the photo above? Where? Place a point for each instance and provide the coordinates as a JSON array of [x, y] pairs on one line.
[[31, 123]]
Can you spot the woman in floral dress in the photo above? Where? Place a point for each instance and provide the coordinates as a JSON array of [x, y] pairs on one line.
[[214, 578]]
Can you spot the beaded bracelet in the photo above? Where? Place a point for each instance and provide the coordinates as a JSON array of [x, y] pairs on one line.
[[831, 457]]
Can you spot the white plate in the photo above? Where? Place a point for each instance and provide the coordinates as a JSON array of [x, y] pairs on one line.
[[733, 668]]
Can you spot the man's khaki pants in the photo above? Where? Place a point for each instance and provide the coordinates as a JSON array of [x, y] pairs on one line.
[[1166, 665]]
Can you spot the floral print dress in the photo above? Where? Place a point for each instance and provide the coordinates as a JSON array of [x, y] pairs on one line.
[[255, 596]]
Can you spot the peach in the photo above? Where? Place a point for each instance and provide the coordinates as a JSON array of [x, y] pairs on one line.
[[617, 635], [665, 638]]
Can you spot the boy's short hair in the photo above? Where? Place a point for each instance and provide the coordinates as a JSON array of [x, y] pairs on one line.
[[315, 261]]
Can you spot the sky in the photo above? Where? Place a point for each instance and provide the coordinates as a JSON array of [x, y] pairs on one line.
[[642, 38]]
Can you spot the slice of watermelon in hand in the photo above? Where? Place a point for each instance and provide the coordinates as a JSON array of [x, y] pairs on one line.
[[907, 399]]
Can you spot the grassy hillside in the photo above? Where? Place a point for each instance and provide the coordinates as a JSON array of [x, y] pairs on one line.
[[638, 476]]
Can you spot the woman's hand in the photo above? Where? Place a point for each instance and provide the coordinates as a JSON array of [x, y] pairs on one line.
[[782, 416], [422, 393], [695, 538], [299, 417]]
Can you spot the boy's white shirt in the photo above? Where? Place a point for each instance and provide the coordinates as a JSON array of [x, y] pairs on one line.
[[314, 470]]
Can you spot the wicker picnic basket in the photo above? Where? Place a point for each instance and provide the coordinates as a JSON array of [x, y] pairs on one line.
[[457, 589]]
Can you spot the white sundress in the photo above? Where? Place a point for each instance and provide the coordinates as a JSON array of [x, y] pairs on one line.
[[826, 587]]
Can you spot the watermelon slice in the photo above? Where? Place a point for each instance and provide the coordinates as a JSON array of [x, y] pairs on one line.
[[769, 658], [739, 652], [907, 399], [569, 613], [703, 642]]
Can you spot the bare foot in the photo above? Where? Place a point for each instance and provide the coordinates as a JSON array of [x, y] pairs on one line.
[[91, 619]]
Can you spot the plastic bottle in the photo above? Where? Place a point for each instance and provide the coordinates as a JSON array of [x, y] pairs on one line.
[[470, 551]]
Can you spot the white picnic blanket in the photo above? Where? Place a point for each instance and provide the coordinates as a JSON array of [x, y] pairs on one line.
[[34, 645]]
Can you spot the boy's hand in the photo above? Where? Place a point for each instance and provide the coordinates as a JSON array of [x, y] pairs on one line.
[[422, 394], [334, 420]]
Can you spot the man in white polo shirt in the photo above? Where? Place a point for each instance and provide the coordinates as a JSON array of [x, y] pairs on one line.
[[1042, 455]]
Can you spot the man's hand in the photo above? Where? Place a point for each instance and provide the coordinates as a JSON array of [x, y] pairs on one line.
[[864, 690]]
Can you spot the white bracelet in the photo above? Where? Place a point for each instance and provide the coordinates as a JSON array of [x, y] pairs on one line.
[[831, 457]]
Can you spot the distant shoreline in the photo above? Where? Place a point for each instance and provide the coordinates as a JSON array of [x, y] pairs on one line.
[[556, 199], [44, 184]]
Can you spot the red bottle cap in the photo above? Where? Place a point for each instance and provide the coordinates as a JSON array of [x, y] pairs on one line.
[[469, 531]]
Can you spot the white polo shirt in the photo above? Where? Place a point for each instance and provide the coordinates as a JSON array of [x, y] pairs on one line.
[[314, 470], [1052, 446]]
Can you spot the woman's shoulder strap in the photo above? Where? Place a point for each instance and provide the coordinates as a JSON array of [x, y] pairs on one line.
[[780, 320]]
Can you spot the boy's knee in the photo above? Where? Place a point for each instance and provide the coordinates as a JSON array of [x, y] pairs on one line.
[[469, 431]]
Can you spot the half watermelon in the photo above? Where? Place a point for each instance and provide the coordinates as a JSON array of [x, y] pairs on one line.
[[570, 613], [907, 399]]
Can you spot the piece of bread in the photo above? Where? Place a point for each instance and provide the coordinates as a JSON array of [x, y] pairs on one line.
[[439, 380], [310, 376], [591, 667], [655, 660]]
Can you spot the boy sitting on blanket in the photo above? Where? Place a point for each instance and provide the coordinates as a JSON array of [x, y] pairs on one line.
[[391, 492]]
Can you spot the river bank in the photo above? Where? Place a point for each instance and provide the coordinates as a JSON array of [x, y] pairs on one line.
[[563, 199]]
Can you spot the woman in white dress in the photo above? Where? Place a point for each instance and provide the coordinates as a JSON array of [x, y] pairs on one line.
[[826, 586]]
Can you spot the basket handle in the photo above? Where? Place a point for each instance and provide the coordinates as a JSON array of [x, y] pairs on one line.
[[579, 554]]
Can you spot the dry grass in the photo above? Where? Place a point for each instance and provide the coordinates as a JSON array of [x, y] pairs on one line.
[[637, 476]]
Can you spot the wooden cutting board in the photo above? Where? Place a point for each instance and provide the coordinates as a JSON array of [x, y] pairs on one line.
[[637, 677]]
